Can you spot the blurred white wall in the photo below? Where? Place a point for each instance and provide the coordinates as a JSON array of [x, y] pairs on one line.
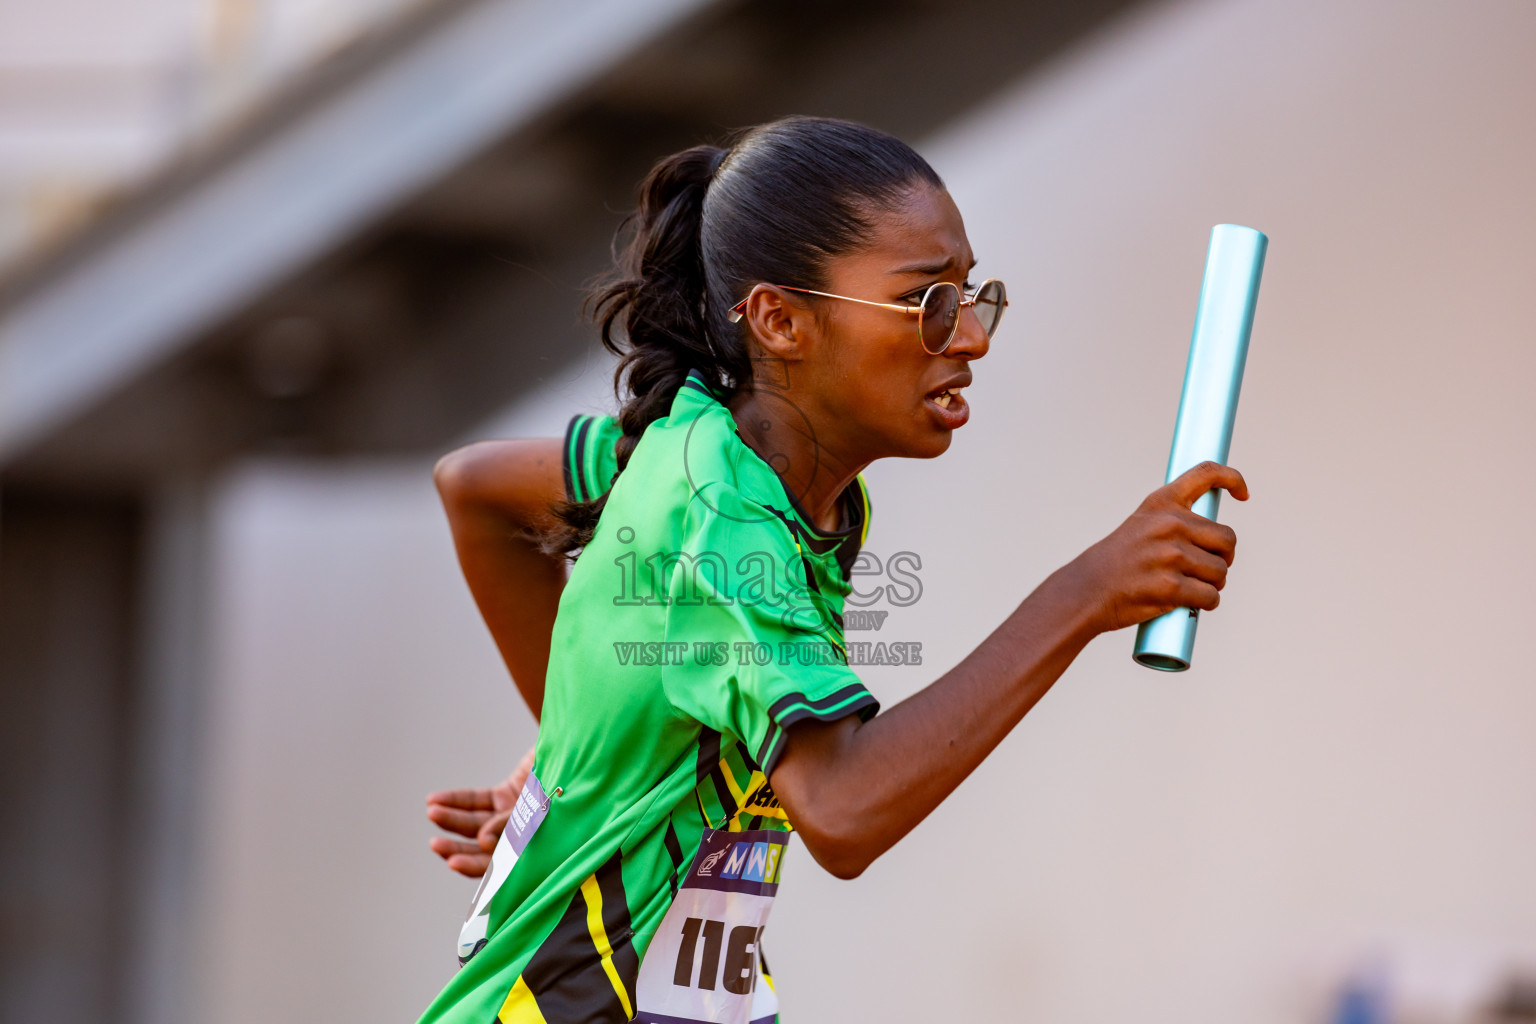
[[1348, 772]]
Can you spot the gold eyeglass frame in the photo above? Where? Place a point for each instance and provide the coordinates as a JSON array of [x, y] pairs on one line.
[[737, 311]]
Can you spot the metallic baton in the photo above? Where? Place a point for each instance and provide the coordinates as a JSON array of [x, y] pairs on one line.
[[1217, 351]]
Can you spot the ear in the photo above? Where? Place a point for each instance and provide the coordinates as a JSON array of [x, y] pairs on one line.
[[781, 322]]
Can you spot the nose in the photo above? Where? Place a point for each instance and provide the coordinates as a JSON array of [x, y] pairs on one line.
[[970, 340]]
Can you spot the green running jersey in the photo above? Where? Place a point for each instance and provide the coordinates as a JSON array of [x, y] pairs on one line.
[[705, 617], [589, 461]]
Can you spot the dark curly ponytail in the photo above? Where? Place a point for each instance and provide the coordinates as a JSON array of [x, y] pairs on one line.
[[785, 199]]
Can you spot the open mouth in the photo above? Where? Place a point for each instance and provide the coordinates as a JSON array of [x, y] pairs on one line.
[[944, 397]]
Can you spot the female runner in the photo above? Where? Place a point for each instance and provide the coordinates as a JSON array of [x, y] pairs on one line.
[[789, 310]]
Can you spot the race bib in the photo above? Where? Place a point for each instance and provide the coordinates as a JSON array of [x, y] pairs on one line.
[[702, 965], [527, 815]]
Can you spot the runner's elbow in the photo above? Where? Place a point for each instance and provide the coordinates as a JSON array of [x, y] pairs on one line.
[[847, 870], [830, 806], [497, 476], [452, 474], [842, 851]]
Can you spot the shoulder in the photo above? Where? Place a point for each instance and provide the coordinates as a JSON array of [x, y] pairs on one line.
[[696, 455], [692, 485], [588, 461]]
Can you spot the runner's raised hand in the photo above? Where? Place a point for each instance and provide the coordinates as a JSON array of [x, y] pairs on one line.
[[1164, 556]]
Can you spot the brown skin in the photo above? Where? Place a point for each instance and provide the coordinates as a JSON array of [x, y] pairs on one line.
[[839, 385], [479, 815], [844, 384], [495, 492]]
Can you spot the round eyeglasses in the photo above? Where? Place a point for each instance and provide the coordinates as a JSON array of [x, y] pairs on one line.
[[938, 312]]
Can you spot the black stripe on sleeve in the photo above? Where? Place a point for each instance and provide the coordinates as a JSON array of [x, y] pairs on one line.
[[866, 707], [565, 457], [814, 707], [822, 709], [579, 459], [772, 750]]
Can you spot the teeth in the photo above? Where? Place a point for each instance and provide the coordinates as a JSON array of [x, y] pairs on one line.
[[945, 398]]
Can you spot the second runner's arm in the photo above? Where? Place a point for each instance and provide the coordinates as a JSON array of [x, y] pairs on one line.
[[493, 493]]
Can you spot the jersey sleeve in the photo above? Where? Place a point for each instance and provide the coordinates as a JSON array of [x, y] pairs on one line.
[[753, 645], [587, 456]]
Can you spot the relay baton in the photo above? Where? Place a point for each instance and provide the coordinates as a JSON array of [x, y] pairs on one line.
[[1217, 351]]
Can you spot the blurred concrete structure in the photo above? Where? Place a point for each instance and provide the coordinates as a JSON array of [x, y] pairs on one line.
[[95, 96], [234, 651]]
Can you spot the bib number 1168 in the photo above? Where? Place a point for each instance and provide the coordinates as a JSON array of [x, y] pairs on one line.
[[739, 974]]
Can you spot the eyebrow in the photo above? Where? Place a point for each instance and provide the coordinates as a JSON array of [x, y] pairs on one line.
[[930, 268]]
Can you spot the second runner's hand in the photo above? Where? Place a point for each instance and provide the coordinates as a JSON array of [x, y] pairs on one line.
[[479, 815]]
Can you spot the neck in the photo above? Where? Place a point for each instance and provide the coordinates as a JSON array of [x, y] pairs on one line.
[[795, 443]]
